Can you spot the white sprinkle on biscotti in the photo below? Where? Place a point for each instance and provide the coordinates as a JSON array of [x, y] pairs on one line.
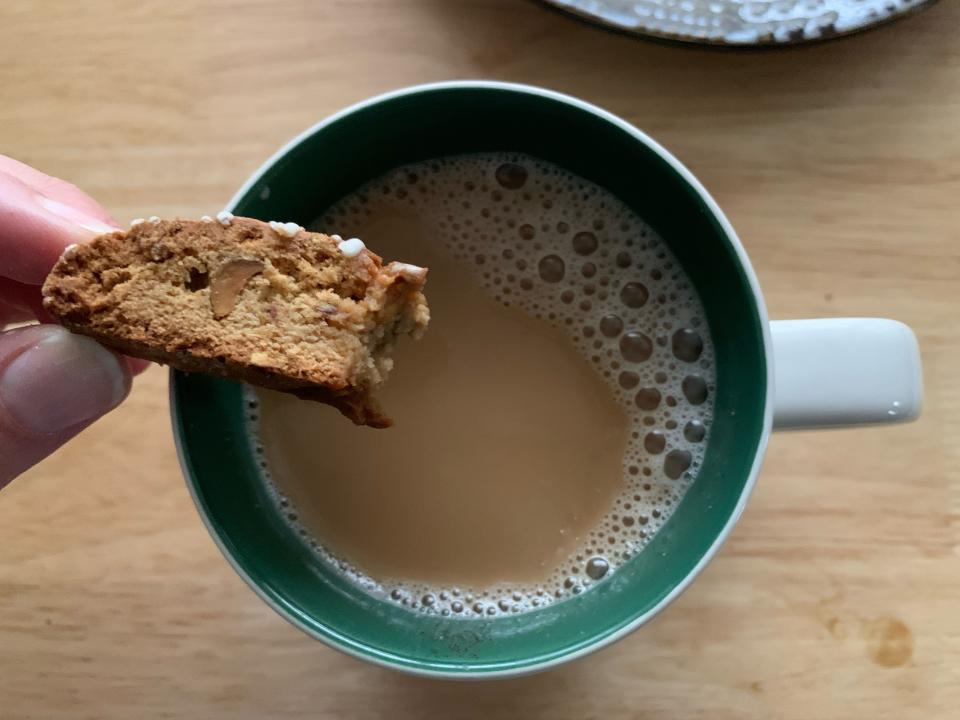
[[224, 218], [206, 218], [352, 247], [289, 229], [154, 220], [136, 221]]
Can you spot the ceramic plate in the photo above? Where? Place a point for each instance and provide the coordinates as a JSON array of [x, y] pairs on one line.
[[740, 22]]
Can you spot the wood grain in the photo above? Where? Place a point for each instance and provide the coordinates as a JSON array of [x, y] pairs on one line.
[[838, 594]]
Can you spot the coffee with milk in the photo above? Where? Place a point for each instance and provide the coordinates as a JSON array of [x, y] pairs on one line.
[[546, 425]]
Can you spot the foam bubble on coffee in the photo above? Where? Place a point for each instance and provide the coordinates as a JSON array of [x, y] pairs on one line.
[[569, 253]]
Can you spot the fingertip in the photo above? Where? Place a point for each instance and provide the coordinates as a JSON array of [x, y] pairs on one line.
[[53, 381], [53, 384], [81, 224], [137, 365], [36, 228], [55, 188]]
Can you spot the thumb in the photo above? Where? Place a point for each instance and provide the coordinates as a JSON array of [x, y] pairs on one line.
[[52, 385]]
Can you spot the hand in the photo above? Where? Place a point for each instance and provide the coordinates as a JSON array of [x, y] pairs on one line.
[[52, 383]]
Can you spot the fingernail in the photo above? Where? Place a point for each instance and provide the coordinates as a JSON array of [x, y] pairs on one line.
[[60, 381], [94, 226]]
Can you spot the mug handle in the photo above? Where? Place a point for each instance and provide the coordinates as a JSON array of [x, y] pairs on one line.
[[844, 371]]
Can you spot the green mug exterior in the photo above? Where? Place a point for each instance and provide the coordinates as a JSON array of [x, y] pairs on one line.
[[339, 155]]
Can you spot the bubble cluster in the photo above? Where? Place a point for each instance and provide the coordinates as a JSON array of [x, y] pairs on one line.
[[566, 252]]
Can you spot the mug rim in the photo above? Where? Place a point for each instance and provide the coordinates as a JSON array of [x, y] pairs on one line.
[[761, 448]]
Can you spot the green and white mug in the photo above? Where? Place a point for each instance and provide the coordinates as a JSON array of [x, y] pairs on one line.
[[768, 375]]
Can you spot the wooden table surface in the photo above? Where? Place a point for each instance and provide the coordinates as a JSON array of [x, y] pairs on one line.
[[837, 596]]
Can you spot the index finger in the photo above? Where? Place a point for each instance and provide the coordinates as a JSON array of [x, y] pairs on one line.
[[55, 188], [35, 227]]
